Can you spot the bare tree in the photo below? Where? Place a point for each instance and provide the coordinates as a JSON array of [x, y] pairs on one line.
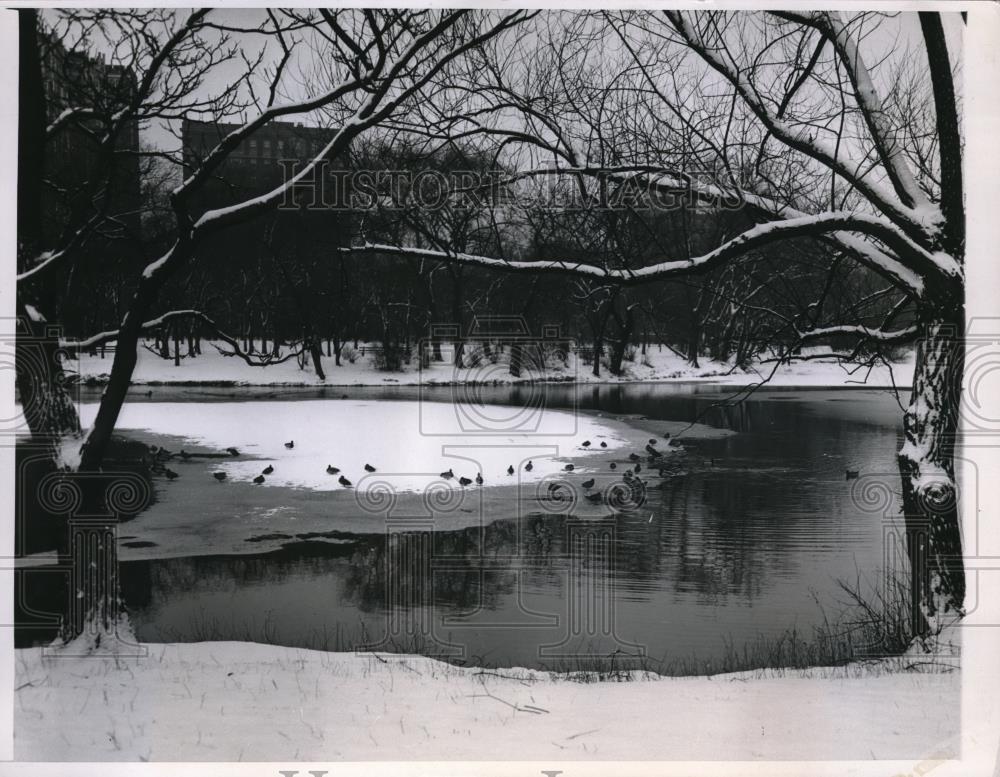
[[375, 63], [787, 117]]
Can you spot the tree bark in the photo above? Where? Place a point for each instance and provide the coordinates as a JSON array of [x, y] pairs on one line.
[[515, 359], [626, 325], [49, 410], [316, 352], [927, 467]]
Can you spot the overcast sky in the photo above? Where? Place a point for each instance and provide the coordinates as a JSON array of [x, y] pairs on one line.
[[894, 36]]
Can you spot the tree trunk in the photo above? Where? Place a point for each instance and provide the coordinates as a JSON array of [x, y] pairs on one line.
[[692, 349], [625, 325], [456, 314], [515, 359], [927, 466], [617, 357], [47, 405], [316, 352], [163, 342]]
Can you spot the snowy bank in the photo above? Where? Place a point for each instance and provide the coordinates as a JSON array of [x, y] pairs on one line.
[[656, 365], [218, 701]]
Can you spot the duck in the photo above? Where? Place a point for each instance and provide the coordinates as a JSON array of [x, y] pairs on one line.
[[604, 444], [233, 451], [464, 481], [448, 474], [220, 476], [666, 435], [259, 479], [529, 466], [585, 444], [479, 478], [588, 483], [653, 452], [510, 470], [332, 470], [569, 468], [171, 475], [633, 457], [638, 467], [652, 441], [267, 470], [290, 444], [343, 481], [369, 468], [850, 474], [613, 465]]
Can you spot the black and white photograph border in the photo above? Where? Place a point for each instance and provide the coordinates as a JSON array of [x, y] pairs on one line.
[[606, 388]]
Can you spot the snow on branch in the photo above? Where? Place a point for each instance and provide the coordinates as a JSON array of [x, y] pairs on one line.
[[375, 109], [75, 346], [921, 222], [909, 276], [833, 223], [832, 27], [905, 335], [67, 117], [254, 360]]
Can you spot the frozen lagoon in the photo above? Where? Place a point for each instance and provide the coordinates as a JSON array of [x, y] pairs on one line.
[[409, 443]]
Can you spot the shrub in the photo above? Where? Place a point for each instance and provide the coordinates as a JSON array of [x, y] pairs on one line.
[[473, 356], [388, 358]]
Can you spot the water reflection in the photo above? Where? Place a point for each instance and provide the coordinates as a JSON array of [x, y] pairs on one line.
[[752, 531]]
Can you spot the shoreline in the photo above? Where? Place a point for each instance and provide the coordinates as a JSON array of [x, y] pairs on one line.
[[757, 385], [655, 367]]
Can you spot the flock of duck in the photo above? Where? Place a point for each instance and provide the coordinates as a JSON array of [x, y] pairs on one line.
[[159, 455]]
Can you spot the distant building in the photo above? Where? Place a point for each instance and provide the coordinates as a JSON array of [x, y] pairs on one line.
[[258, 164], [74, 164]]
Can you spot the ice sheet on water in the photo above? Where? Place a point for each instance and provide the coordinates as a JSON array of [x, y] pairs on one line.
[[409, 443]]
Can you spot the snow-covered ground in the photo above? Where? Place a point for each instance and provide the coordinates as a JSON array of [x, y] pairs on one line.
[[657, 365], [218, 701]]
